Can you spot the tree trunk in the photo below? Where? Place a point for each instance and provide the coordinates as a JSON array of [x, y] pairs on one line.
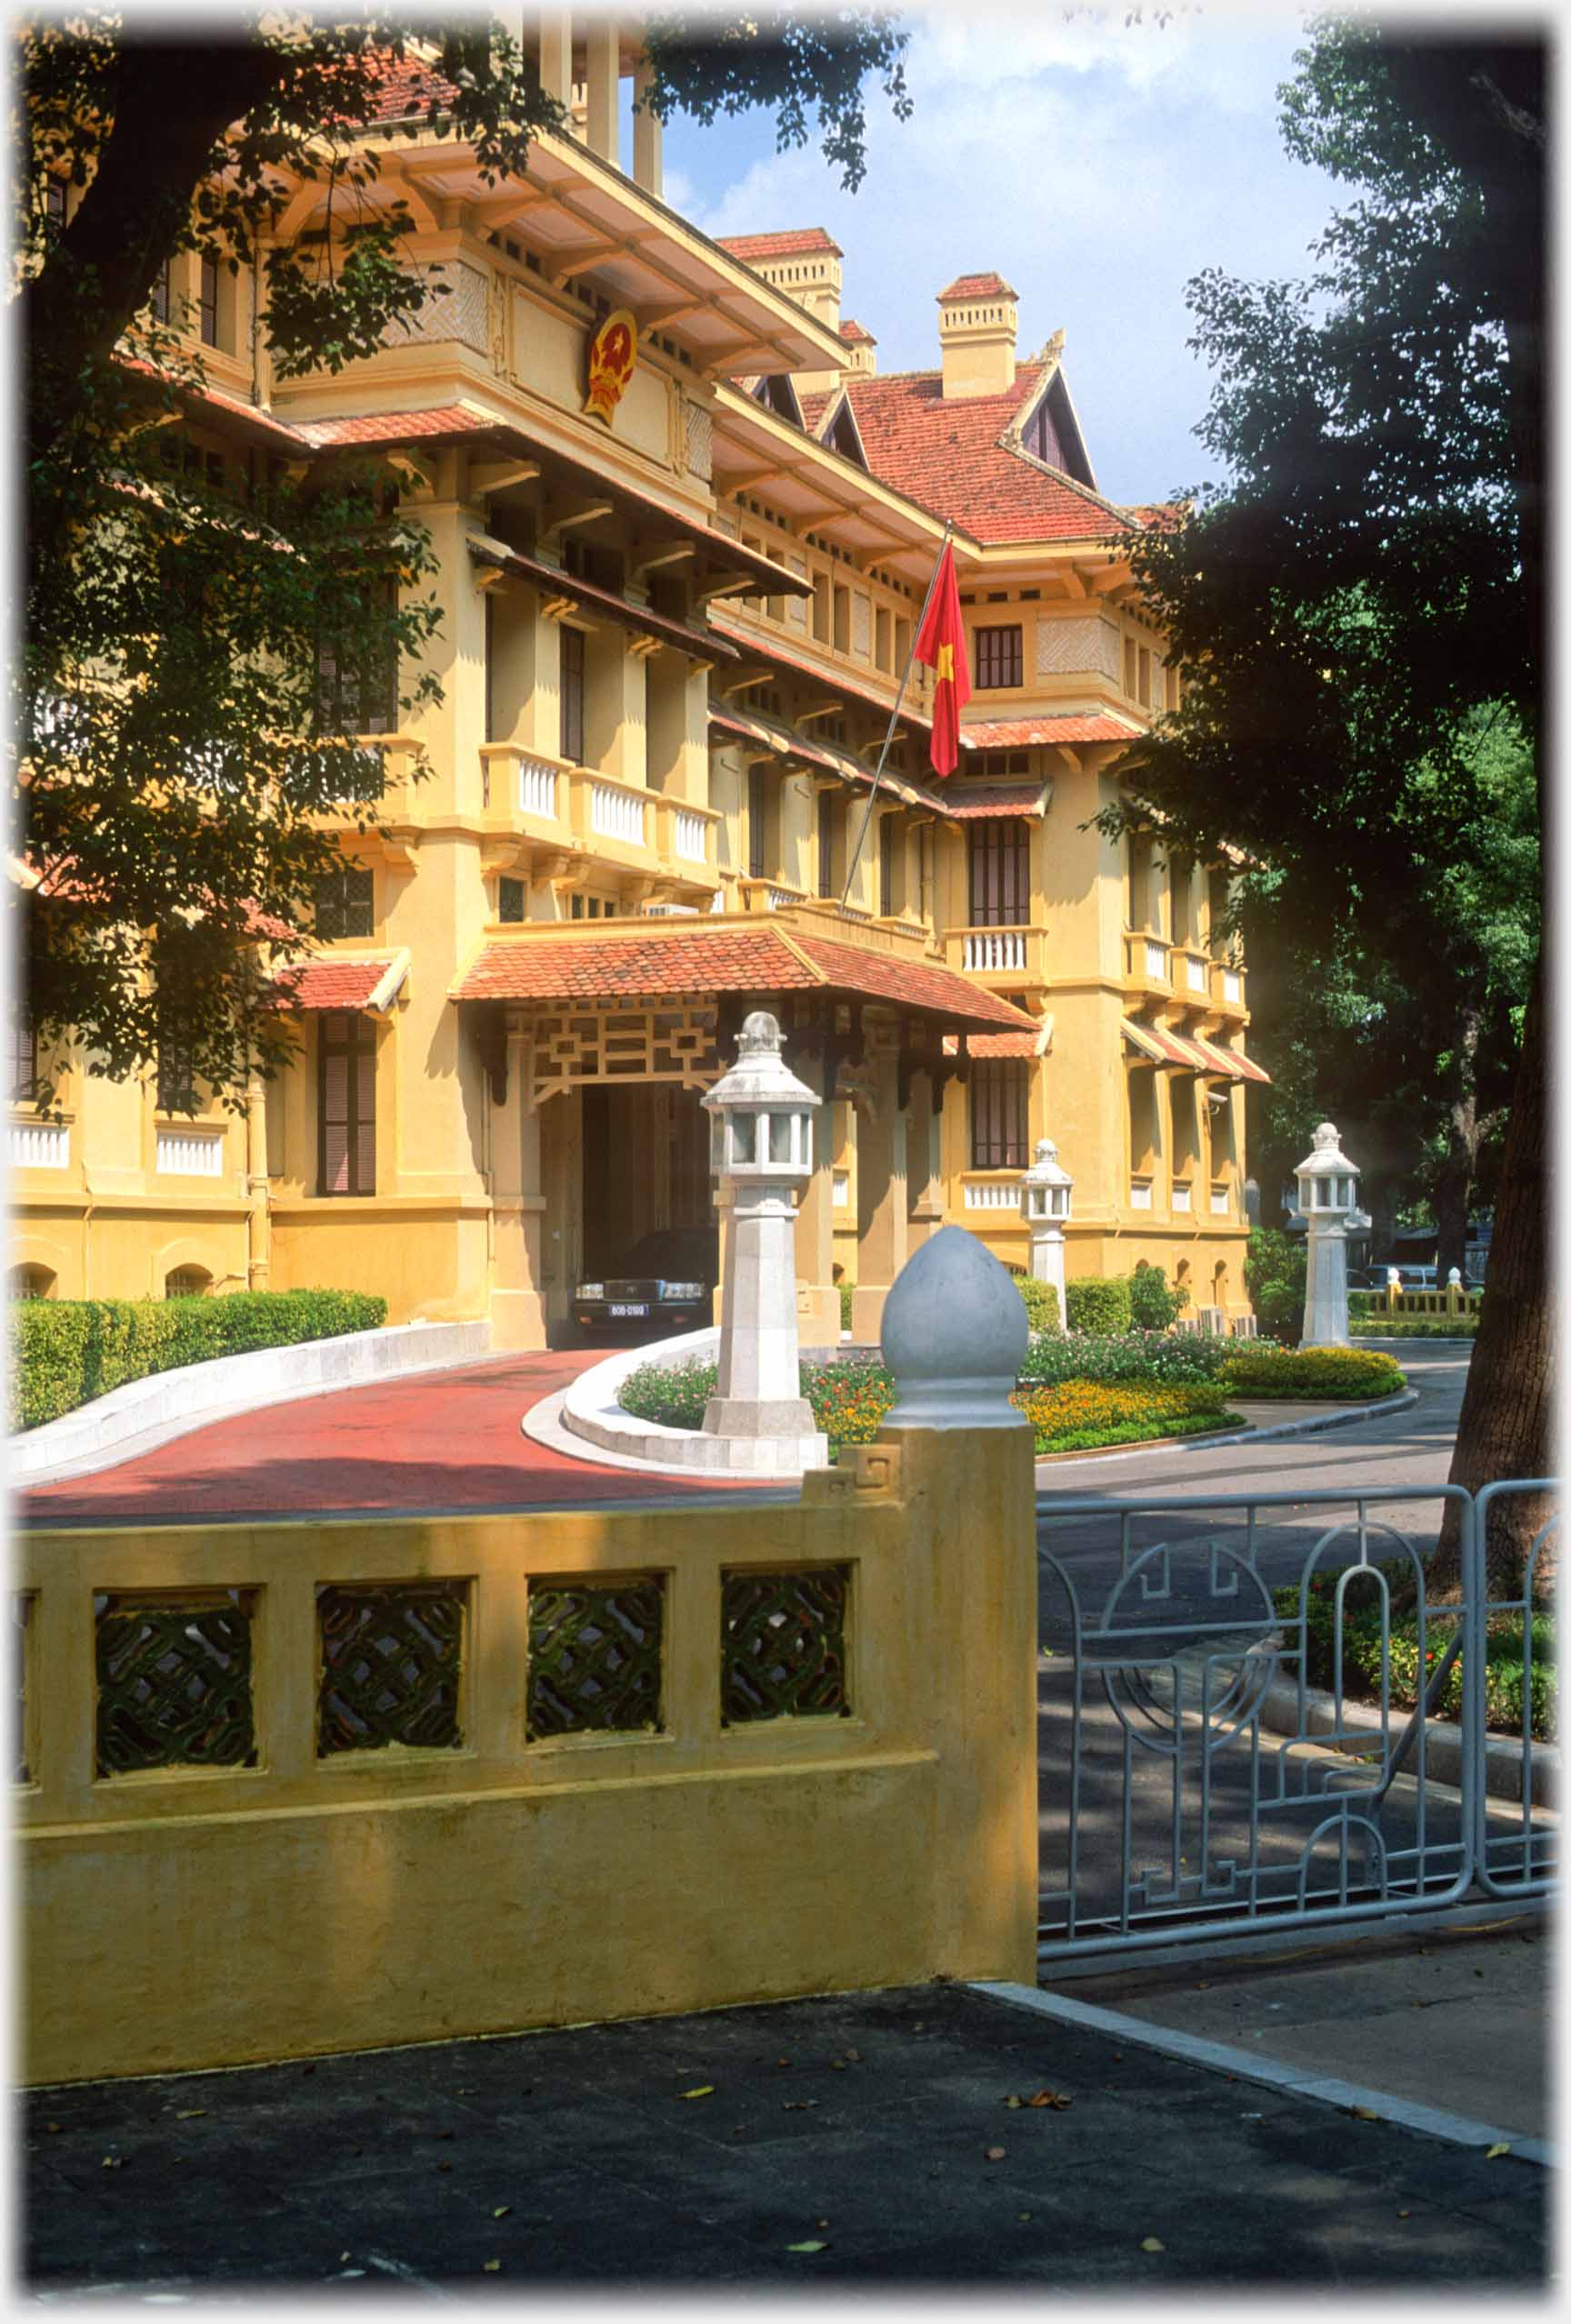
[[1505, 1427], [1453, 1186]]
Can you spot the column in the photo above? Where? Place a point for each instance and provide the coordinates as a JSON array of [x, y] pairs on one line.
[[517, 1203], [818, 1300], [557, 54], [882, 1223], [601, 42], [922, 1147], [647, 166]]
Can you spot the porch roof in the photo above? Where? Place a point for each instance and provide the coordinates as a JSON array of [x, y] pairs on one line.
[[370, 983], [638, 962]]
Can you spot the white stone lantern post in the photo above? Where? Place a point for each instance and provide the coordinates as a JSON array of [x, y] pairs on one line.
[[1044, 1191], [1328, 1202], [761, 1152]]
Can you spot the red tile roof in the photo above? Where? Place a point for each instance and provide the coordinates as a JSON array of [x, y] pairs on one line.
[[951, 458], [408, 87], [792, 242], [1058, 727], [989, 286], [762, 959], [985, 800], [855, 336], [767, 650], [993, 1045], [1162, 1046], [331, 983]]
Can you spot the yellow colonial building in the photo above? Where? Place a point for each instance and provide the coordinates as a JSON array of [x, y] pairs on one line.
[[685, 529]]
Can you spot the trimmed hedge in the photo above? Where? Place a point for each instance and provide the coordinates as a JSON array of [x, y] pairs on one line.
[[1097, 1303], [1260, 1368], [1156, 1357], [1375, 1326], [66, 1352], [1041, 1303], [848, 1293]]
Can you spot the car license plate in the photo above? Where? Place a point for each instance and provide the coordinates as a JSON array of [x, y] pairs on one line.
[[629, 1311]]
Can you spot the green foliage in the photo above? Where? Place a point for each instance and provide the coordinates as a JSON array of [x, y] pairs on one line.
[[1097, 1303], [1260, 1368], [1377, 1327], [1161, 1357], [708, 64], [1412, 1667], [1152, 1306], [66, 1352], [1274, 1270], [1041, 1303], [848, 1293]]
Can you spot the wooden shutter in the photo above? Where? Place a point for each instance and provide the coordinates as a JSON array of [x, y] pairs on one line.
[[573, 696], [22, 1060], [363, 1155], [885, 866], [998, 1097], [827, 844], [757, 795], [346, 1106]]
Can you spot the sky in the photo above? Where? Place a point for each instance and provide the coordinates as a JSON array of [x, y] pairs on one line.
[[1097, 163]]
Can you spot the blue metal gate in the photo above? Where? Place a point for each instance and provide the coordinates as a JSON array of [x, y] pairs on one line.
[[1255, 1712]]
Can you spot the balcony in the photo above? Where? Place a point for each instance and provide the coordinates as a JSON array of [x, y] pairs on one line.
[[189, 1154], [40, 1145], [994, 1190], [1011, 956], [577, 809], [769, 895], [1221, 1203], [1147, 974], [1191, 976], [1228, 989]]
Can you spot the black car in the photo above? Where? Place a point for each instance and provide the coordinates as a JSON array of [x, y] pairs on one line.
[[666, 1285]]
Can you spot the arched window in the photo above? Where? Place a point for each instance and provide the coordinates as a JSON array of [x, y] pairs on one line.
[[33, 1282], [187, 1283]]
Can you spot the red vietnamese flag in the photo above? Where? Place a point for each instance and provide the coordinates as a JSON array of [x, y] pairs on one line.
[[941, 643]]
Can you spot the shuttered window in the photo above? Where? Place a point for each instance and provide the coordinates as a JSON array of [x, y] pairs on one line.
[[360, 700], [22, 1060], [827, 806], [1000, 854], [996, 1089], [998, 657], [209, 302], [573, 696], [757, 815], [176, 1079], [346, 1106], [885, 866]]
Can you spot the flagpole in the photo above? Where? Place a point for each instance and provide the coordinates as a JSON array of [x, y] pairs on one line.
[[894, 718]]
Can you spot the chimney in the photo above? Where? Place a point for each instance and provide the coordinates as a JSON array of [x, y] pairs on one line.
[[976, 327], [804, 263], [861, 356]]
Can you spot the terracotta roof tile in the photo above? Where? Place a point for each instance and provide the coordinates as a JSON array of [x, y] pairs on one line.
[[407, 88], [328, 983], [854, 335], [767, 649], [951, 458], [990, 800], [1060, 726], [988, 285], [763, 959], [791, 243], [995, 1045]]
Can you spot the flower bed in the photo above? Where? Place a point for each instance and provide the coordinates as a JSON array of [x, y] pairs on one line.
[[1505, 1662], [850, 1401], [66, 1352], [1160, 1359], [1261, 1368]]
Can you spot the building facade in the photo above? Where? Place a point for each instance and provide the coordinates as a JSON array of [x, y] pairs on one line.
[[685, 529]]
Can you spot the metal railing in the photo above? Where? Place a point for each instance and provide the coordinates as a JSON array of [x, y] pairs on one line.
[[1225, 1744]]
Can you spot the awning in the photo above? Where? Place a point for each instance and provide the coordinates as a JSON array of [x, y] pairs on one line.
[[1003, 1045], [639, 963], [373, 983], [994, 801], [769, 649], [1061, 727], [1160, 1046], [753, 726], [704, 645]]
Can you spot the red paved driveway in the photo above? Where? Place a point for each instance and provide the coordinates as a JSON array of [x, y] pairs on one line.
[[448, 1440]]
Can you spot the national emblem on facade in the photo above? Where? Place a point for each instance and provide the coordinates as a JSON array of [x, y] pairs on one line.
[[613, 352]]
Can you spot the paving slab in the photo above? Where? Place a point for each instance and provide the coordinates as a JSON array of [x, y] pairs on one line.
[[861, 2139]]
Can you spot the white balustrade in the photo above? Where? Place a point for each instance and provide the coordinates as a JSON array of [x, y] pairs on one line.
[[190, 1154], [841, 1196], [670, 912], [1195, 972], [690, 836], [993, 1194], [993, 950], [1140, 1194], [1232, 984], [1219, 1203], [536, 789], [780, 900], [1156, 961], [615, 815], [1181, 1198], [40, 1145]]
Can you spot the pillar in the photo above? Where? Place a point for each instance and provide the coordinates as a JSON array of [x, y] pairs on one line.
[[922, 1137], [517, 1205], [818, 1300], [258, 1217], [601, 42], [647, 163], [557, 54], [882, 1237]]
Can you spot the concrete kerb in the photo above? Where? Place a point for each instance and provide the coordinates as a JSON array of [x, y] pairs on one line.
[[1245, 2066], [145, 1414], [1315, 1426]]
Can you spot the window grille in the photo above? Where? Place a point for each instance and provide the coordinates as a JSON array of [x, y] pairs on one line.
[[999, 660], [344, 903]]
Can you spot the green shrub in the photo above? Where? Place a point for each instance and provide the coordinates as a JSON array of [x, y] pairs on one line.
[[1161, 1357], [1260, 1368], [848, 1293], [66, 1352], [1504, 1662], [1152, 1306], [1074, 1416], [1380, 1327], [1098, 1304], [1041, 1303], [1274, 1271]]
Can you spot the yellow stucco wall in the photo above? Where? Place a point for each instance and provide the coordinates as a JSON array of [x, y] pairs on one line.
[[182, 1918]]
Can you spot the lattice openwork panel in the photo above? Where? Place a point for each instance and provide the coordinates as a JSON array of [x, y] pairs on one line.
[[674, 1044], [783, 1645], [175, 1681], [21, 1630], [595, 1656], [392, 1662]]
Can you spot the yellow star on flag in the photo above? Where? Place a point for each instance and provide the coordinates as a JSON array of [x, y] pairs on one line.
[[944, 666]]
